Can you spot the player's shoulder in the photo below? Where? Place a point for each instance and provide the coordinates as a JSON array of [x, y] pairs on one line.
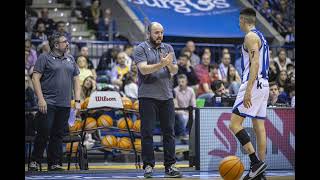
[[251, 35]]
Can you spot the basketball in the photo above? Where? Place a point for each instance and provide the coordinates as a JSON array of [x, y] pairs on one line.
[[124, 143], [109, 141], [137, 125], [231, 168], [90, 124], [85, 103], [104, 121], [122, 123], [127, 103], [77, 125], [137, 144], [135, 105], [74, 148]]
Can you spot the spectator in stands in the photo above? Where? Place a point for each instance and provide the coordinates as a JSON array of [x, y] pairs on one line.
[[280, 24], [233, 80], [128, 50], [290, 36], [195, 59], [87, 88], [83, 67], [273, 70], [282, 60], [106, 63], [43, 48], [266, 11], [224, 66], [208, 51], [202, 71], [106, 26], [273, 96], [219, 90], [130, 82], [48, 22], [93, 14], [84, 51], [30, 56], [29, 95], [282, 80], [184, 67], [184, 97], [214, 72], [187, 52], [119, 71], [39, 34], [61, 27], [286, 10], [31, 17]]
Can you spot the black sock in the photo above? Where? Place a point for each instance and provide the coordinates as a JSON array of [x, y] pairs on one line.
[[253, 158]]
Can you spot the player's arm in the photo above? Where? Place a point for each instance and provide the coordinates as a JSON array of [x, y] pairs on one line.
[[173, 68], [252, 44]]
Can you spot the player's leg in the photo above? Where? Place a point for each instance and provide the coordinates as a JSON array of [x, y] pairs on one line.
[[259, 129], [148, 114], [241, 134]]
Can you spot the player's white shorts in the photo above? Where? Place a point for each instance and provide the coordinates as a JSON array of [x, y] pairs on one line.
[[259, 99]]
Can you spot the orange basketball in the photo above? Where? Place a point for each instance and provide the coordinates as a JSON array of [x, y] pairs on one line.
[[137, 125], [124, 143], [74, 148], [77, 125], [104, 121], [91, 123], [127, 103], [122, 123], [135, 105], [109, 141], [137, 144], [231, 168], [85, 103]]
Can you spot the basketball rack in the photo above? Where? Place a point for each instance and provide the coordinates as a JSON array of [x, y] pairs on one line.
[[109, 100]]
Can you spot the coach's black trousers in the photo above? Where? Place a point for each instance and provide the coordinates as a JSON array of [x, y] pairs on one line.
[[50, 127], [152, 110]]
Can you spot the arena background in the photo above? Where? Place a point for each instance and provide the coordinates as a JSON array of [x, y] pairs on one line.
[[210, 24]]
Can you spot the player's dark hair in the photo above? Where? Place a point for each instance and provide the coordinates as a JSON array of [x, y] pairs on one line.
[[248, 12], [249, 15]]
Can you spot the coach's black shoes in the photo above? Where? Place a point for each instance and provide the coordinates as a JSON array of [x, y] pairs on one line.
[[55, 167], [172, 172], [33, 166], [255, 170], [148, 171]]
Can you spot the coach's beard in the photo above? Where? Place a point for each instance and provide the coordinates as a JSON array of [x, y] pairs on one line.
[[155, 43]]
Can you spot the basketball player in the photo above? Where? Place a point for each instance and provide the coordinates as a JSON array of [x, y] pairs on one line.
[[253, 94], [156, 64]]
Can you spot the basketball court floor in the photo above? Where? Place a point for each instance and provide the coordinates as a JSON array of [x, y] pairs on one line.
[[128, 172]]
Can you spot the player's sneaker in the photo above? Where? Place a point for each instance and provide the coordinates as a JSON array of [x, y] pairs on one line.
[[148, 171], [55, 167], [33, 166], [172, 171], [255, 170]]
